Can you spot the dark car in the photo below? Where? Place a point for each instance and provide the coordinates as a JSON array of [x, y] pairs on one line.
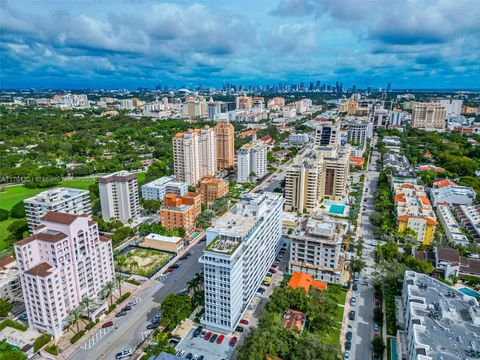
[[349, 335], [197, 331], [183, 257], [239, 329], [121, 313], [213, 338], [153, 326], [174, 266], [355, 287], [348, 345], [189, 356], [127, 308], [351, 315], [201, 357]]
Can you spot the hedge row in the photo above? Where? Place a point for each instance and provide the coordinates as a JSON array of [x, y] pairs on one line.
[[12, 324], [77, 336], [52, 349], [41, 341]]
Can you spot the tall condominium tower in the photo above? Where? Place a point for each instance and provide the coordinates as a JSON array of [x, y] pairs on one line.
[[194, 154], [429, 116], [119, 196], [241, 246], [225, 144], [252, 161], [327, 134], [64, 261]]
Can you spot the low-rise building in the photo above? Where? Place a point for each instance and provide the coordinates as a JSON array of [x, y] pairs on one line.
[[451, 228], [10, 286], [294, 320], [446, 191], [316, 249], [414, 211], [439, 321], [180, 212], [73, 201], [306, 282], [298, 139], [164, 243], [157, 189], [211, 189], [469, 216]]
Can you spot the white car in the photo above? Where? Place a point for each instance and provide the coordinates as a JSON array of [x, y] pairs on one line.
[[124, 354], [181, 353]]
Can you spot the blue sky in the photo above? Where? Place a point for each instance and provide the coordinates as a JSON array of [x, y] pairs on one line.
[[132, 43]]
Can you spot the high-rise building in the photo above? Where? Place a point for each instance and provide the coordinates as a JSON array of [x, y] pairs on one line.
[[194, 107], [316, 249], [119, 196], [63, 261], [244, 102], [318, 173], [429, 116], [241, 246], [452, 106], [395, 117], [194, 154], [157, 189], [213, 109], [327, 134], [225, 144], [358, 132], [72, 201], [380, 117], [252, 161]]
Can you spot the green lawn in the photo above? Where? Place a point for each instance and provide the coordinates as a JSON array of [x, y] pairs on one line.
[[13, 194], [4, 233], [82, 184], [333, 337]]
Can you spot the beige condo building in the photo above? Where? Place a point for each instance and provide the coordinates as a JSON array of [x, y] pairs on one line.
[[225, 144], [318, 173], [429, 116]]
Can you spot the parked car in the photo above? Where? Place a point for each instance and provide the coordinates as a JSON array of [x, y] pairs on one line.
[[348, 345], [107, 324], [266, 284], [153, 326], [220, 339], [174, 266], [213, 338], [208, 335], [274, 266], [233, 341], [23, 317], [127, 308], [189, 356], [201, 357], [349, 335], [346, 355], [181, 353], [376, 328], [168, 271], [197, 331], [351, 315], [353, 301], [377, 302], [121, 313], [132, 302], [244, 322], [124, 354], [239, 329], [273, 271], [195, 357], [355, 287]]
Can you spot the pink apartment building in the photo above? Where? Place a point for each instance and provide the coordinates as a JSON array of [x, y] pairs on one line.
[[63, 261]]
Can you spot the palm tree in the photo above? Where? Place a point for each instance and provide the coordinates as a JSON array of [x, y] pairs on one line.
[[74, 315], [121, 260], [108, 290], [118, 279], [133, 266], [87, 304]]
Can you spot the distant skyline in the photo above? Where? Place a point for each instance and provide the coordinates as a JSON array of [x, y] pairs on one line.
[[424, 44]]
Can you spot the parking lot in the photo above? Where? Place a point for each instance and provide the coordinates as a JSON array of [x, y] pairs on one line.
[[211, 351]]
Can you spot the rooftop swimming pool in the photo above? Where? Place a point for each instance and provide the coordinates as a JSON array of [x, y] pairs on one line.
[[336, 209]]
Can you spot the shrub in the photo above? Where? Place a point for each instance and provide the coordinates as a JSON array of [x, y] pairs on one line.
[[12, 324], [111, 308], [90, 325], [133, 281], [41, 341], [4, 214], [18, 210], [52, 349], [123, 298], [77, 336]]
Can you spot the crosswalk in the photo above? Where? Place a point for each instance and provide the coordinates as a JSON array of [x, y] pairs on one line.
[[144, 334], [96, 338]]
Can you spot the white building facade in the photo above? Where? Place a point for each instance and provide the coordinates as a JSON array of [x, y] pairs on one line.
[[252, 161], [119, 196], [157, 189], [72, 201], [63, 261], [241, 247]]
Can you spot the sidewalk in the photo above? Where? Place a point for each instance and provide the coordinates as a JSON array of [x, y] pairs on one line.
[[74, 347]]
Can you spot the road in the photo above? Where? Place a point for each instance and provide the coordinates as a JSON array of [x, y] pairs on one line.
[[362, 327], [130, 330]]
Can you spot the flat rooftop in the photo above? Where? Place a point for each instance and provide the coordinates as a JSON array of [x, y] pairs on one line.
[[56, 195], [158, 237], [318, 227], [223, 246], [451, 319]]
